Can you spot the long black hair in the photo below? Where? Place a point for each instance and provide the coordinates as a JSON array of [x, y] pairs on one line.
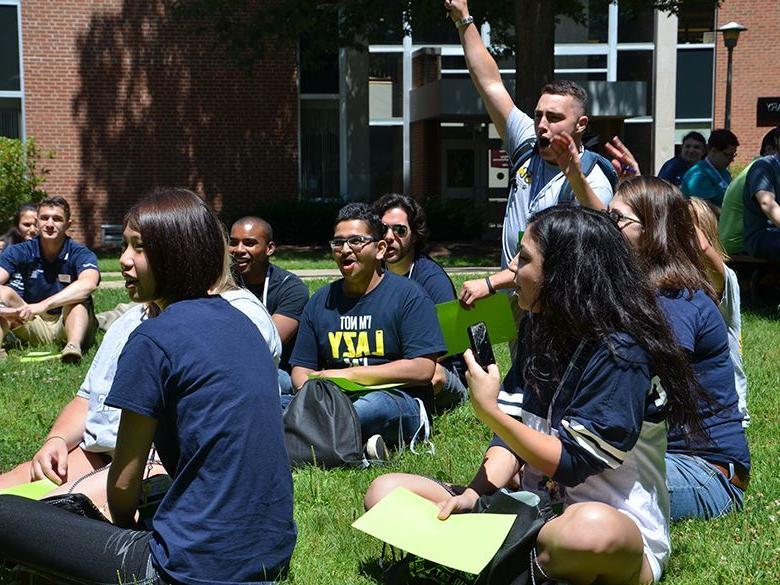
[[591, 289]]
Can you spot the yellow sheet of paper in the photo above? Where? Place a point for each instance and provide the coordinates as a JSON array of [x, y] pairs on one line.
[[34, 490], [465, 542]]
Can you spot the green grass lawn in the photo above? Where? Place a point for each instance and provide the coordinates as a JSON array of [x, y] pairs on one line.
[[742, 548]]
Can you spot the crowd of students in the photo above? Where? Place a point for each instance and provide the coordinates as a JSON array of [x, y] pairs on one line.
[[626, 401]]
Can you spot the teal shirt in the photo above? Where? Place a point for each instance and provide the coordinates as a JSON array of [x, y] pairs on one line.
[[706, 182]]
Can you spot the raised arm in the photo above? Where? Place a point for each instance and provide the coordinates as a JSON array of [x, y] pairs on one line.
[[482, 67]]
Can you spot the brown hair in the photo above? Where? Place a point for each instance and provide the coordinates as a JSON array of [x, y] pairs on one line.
[[570, 88], [705, 218], [183, 240], [668, 248], [55, 201]]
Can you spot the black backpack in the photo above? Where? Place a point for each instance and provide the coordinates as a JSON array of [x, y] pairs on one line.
[[321, 427]]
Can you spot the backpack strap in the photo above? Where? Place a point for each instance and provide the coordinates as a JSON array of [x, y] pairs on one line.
[[588, 160], [518, 158]]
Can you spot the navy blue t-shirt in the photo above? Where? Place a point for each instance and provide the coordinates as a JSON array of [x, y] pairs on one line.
[[674, 169], [764, 175], [432, 278], [34, 279], [396, 320], [699, 328], [202, 370]]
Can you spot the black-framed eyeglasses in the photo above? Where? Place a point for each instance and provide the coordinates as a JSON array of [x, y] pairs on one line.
[[354, 242], [622, 221], [398, 229]]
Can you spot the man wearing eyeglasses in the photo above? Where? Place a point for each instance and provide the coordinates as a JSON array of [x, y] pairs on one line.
[[709, 178], [372, 327], [406, 233]]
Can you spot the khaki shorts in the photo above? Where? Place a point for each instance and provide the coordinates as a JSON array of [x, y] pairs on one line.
[[46, 328]]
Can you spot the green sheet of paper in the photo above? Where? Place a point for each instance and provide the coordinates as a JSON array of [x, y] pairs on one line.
[[39, 358], [34, 490], [493, 310], [465, 542], [351, 386]]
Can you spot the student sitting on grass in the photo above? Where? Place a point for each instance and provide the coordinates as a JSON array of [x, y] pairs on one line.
[[581, 414], [199, 380], [711, 479], [23, 227], [372, 327]]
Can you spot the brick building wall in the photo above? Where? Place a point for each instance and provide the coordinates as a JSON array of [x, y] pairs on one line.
[[129, 100], [756, 72]]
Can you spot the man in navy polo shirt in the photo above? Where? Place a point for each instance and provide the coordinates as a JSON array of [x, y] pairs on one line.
[[46, 285], [372, 327], [406, 233]]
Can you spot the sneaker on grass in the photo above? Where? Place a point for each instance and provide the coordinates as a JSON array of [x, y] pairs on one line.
[[71, 354], [376, 449]]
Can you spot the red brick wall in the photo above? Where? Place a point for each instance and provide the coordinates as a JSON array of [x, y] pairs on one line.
[[129, 100], [756, 69]]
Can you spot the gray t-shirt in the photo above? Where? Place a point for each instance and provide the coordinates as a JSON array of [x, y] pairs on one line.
[[730, 309], [764, 175], [537, 185]]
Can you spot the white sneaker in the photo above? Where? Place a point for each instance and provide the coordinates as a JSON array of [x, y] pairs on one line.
[[376, 448]]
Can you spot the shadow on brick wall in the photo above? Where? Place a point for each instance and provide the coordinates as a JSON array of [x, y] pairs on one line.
[[159, 106]]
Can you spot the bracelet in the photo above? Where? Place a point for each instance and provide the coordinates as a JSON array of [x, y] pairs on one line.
[[464, 22], [491, 288], [55, 437]]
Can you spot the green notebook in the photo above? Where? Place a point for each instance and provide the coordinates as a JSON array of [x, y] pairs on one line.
[[34, 490], [494, 310], [351, 386]]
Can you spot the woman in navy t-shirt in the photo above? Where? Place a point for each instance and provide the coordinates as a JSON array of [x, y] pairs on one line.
[[708, 478], [581, 414], [198, 381]]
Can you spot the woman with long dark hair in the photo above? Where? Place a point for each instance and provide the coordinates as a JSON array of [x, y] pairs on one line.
[[23, 227], [199, 381], [582, 413], [708, 479]]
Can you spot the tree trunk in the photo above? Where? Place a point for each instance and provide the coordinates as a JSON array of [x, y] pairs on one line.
[[534, 50]]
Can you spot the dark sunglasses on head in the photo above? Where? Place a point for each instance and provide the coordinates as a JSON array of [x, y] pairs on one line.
[[399, 229]]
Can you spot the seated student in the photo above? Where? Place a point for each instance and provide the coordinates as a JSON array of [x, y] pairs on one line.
[[693, 149], [761, 203], [406, 233], [709, 479], [282, 292], [730, 223], [23, 227], [709, 178], [49, 298], [199, 381], [726, 285], [372, 327], [581, 415], [83, 437]]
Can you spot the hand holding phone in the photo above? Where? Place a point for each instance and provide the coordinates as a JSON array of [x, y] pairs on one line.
[[480, 345]]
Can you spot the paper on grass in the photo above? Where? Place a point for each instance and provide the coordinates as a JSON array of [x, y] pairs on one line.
[[34, 490], [351, 386], [494, 310], [465, 542], [40, 358]]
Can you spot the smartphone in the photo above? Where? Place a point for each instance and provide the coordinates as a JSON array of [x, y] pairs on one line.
[[480, 344]]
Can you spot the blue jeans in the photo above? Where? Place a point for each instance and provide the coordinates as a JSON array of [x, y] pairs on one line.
[[453, 392], [285, 382], [393, 414], [698, 489]]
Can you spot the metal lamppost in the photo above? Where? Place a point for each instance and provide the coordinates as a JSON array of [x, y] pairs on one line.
[[730, 37]]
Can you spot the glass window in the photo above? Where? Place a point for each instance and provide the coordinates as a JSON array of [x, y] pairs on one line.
[[637, 66], [582, 78], [593, 29], [581, 62], [386, 159], [320, 148], [694, 83], [319, 70], [9, 50], [639, 138], [10, 117], [385, 85], [696, 22], [635, 24]]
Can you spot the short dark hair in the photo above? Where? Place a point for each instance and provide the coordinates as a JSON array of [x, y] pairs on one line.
[[697, 136], [567, 87], [183, 240], [414, 212], [55, 201], [361, 212], [721, 139], [771, 141], [269, 231]]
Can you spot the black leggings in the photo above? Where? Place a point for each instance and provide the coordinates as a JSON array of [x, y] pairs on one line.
[[59, 543]]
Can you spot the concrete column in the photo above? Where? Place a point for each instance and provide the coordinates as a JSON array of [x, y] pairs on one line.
[[664, 88], [407, 113], [354, 143]]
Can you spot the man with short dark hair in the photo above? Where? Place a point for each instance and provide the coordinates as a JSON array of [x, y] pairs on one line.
[[282, 292], [541, 149], [761, 214], [372, 327], [49, 298], [693, 149], [709, 178], [406, 233]]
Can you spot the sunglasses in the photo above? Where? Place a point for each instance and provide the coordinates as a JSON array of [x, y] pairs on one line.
[[354, 242], [398, 229]]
